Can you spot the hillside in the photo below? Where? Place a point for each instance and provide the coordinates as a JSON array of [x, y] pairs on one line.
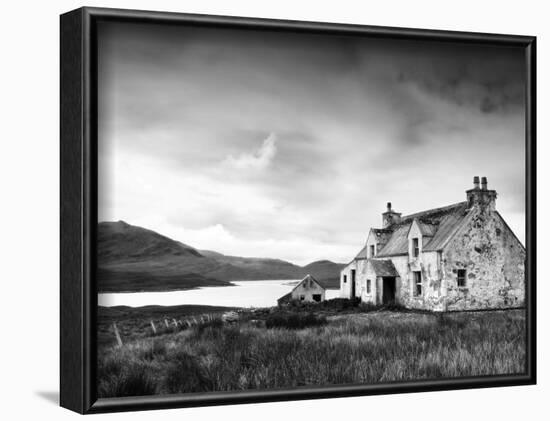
[[131, 258], [121, 241], [257, 267], [326, 272]]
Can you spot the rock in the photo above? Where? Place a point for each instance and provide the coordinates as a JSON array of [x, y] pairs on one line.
[[230, 317]]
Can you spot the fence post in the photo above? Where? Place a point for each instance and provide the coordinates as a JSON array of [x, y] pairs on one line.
[[117, 335], [154, 328], [166, 323]]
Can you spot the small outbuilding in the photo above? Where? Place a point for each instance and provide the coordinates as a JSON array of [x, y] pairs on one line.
[[308, 290]]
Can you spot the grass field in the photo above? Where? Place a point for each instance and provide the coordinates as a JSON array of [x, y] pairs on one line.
[[269, 351]]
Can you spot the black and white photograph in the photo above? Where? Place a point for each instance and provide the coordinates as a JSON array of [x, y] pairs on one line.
[[275, 210], [279, 210]]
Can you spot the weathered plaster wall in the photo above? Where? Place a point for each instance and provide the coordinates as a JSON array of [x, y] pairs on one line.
[[372, 240], [494, 262], [366, 274], [345, 287], [433, 292]]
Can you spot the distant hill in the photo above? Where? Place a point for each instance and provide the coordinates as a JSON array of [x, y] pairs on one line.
[[121, 241], [255, 268], [326, 272], [131, 258]]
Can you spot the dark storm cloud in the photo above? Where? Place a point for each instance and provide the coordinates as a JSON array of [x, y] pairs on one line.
[[283, 137]]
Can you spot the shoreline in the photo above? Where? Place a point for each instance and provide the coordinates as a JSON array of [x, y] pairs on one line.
[[130, 291], [290, 282]]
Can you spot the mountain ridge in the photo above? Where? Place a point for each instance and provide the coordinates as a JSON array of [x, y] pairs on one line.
[[129, 254]]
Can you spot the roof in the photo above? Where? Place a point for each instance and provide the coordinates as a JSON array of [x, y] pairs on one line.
[[285, 298], [310, 278], [363, 253], [428, 229], [437, 225], [381, 234], [383, 267]]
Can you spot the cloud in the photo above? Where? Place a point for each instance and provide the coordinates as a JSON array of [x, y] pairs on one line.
[[257, 160], [354, 123]]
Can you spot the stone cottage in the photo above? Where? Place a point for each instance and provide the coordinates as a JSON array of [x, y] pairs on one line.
[[458, 257], [307, 291]]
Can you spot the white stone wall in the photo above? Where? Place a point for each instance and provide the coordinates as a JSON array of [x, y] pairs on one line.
[[494, 261], [433, 292], [367, 273], [345, 286]]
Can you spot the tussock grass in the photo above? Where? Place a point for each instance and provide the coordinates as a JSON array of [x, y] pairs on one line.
[[354, 348]]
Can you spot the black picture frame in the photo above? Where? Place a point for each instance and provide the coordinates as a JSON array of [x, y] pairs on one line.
[[79, 211]]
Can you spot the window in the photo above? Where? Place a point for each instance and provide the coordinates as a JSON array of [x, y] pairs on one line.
[[368, 286], [372, 250], [417, 279], [461, 278], [302, 297], [316, 297], [345, 278], [416, 250]]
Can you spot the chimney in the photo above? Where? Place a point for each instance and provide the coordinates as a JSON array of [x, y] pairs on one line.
[[390, 217], [483, 197], [483, 183]]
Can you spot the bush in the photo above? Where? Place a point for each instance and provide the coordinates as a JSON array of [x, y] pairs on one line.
[[366, 307], [341, 304], [394, 306], [294, 320]]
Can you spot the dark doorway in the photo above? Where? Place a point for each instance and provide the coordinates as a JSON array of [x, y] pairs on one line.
[[352, 284], [388, 290]]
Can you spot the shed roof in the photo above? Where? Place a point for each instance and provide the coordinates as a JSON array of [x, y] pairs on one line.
[[285, 298]]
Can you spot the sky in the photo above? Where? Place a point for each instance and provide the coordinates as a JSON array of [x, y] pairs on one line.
[[288, 145]]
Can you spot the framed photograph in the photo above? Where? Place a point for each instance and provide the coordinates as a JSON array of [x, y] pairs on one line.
[[256, 210]]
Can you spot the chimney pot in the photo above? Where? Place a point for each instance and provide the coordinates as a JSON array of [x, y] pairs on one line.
[[389, 206], [483, 183], [476, 182]]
